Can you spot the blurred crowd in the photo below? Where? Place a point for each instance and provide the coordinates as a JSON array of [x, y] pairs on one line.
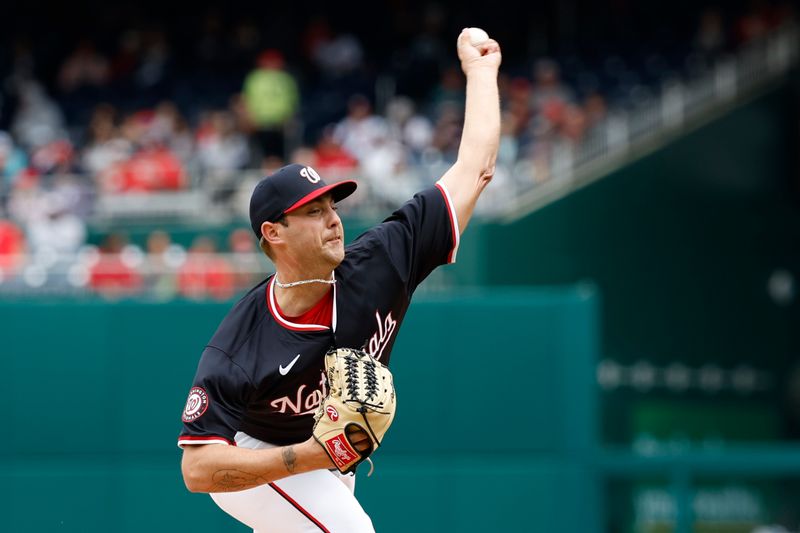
[[165, 270], [159, 268], [145, 112]]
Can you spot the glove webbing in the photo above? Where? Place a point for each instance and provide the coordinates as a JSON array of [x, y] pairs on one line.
[[351, 368]]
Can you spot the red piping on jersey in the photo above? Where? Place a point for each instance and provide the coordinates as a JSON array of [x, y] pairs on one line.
[[271, 305], [451, 212], [191, 439], [299, 507], [321, 313]]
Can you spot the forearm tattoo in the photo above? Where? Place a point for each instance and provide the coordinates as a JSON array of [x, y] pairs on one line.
[[233, 480], [289, 458]]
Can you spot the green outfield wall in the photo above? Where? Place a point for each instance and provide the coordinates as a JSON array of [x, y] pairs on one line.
[[94, 393]]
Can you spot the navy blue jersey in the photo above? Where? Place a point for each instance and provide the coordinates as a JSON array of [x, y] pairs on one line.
[[264, 375]]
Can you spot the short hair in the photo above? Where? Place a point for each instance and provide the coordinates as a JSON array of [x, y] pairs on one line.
[[264, 245]]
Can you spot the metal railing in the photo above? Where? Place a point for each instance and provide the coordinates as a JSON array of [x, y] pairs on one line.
[[679, 106], [132, 273]]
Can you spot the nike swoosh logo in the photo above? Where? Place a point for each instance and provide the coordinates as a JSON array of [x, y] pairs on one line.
[[285, 370]]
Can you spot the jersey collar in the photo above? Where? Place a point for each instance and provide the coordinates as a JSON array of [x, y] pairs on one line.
[[273, 309]]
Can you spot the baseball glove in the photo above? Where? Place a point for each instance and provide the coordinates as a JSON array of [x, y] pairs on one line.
[[360, 398]]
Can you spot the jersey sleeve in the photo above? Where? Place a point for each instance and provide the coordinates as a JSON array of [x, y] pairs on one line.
[[216, 401], [421, 235]]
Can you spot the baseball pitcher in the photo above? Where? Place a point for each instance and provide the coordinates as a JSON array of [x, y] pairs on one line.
[[293, 391]]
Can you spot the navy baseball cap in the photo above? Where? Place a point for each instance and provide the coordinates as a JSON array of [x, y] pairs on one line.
[[289, 188]]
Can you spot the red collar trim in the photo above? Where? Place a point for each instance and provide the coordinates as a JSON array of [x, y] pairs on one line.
[[273, 309]]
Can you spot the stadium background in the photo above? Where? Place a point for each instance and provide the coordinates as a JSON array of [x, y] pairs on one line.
[[631, 275]]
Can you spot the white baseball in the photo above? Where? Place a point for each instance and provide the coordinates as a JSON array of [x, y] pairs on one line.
[[477, 36]]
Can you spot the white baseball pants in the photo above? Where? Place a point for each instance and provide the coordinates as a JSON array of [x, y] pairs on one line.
[[314, 502]]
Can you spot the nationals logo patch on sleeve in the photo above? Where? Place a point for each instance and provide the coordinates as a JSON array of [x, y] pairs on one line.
[[196, 404]]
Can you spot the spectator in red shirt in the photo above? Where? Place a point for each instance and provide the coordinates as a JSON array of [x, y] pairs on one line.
[[331, 158], [12, 249], [153, 169], [113, 276], [206, 274]]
